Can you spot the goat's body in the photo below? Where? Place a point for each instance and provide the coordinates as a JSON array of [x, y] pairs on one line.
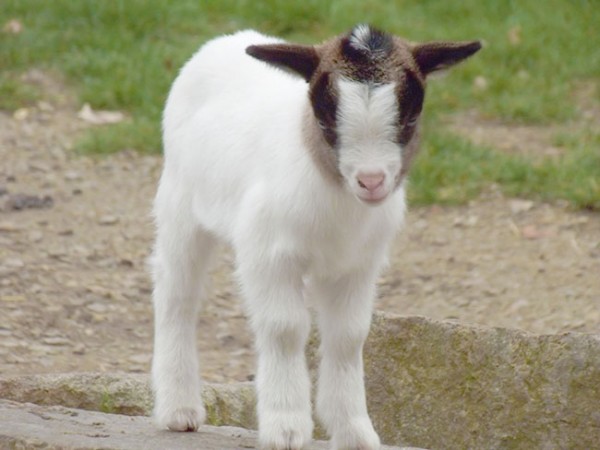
[[242, 163], [305, 182]]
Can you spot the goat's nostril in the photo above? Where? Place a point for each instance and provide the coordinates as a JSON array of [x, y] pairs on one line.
[[370, 181]]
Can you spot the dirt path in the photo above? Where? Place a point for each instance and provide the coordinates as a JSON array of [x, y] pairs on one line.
[[75, 233]]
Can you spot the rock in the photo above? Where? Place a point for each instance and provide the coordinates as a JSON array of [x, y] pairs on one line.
[[33, 426], [19, 202], [108, 220], [10, 227], [128, 394], [439, 385], [141, 358], [21, 114], [56, 341], [445, 385], [79, 349], [35, 236], [14, 263], [532, 232], [518, 205]]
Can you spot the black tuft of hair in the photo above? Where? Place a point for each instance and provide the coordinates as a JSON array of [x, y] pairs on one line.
[[366, 43]]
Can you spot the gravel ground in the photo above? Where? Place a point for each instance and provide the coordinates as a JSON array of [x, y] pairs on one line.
[[75, 233]]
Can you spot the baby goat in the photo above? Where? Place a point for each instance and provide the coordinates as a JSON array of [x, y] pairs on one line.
[[302, 173]]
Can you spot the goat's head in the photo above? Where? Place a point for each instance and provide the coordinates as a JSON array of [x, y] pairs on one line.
[[366, 89]]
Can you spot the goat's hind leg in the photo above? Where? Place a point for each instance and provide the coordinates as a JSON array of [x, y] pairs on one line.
[[180, 268]]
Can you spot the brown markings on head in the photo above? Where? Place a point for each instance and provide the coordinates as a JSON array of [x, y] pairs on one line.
[[374, 58], [370, 56]]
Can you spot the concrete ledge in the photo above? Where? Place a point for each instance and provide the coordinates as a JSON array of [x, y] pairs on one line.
[[128, 394], [432, 384], [443, 385], [28, 426]]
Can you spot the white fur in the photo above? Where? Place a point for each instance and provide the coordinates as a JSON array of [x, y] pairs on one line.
[[368, 117], [360, 37], [237, 170]]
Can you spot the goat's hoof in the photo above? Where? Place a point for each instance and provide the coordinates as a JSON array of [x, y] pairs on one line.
[[182, 419], [291, 431], [357, 435]]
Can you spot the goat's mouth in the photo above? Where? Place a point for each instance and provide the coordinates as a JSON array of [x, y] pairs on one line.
[[372, 198]]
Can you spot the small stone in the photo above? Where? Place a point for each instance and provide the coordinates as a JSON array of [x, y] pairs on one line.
[[79, 349], [534, 232], [21, 114], [72, 176], [108, 220], [5, 332], [15, 263], [56, 341], [56, 253], [141, 358], [97, 307], [10, 227], [518, 206], [45, 106], [19, 202], [468, 221], [39, 166], [35, 236]]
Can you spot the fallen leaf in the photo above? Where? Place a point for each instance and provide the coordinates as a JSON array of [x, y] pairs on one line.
[[480, 83], [21, 114], [87, 114], [533, 232], [514, 35], [517, 205], [13, 26]]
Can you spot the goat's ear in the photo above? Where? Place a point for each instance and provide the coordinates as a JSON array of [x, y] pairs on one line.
[[299, 59], [433, 56]]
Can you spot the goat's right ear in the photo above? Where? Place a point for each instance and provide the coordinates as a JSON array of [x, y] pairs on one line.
[[298, 59]]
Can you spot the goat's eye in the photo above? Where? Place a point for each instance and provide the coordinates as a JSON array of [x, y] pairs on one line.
[[412, 122], [322, 126]]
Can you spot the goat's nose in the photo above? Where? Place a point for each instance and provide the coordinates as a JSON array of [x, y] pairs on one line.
[[370, 181]]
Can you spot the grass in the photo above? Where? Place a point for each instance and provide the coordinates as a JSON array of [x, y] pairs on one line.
[[123, 55], [453, 171]]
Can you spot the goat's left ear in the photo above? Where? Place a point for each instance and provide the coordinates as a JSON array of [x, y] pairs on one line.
[[299, 59], [433, 56]]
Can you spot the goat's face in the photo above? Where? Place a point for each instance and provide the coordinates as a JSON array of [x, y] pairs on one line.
[[368, 151], [366, 90]]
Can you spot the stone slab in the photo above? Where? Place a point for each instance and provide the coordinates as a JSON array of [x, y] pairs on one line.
[[438, 385], [29, 426]]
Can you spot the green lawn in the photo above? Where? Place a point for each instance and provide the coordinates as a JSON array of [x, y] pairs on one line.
[[123, 54]]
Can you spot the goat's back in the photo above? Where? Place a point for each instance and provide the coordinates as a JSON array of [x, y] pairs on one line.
[[221, 76]]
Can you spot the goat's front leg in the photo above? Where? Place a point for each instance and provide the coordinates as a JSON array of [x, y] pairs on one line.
[[281, 324], [344, 309]]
